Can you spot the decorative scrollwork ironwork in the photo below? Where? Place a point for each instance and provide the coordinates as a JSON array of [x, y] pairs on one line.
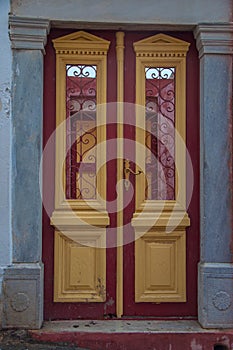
[[81, 131], [160, 135]]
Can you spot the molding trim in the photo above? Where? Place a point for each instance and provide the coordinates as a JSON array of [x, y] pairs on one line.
[[81, 43], [166, 250], [68, 51], [160, 225], [120, 47], [28, 33], [80, 266], [161, 45], [214, 39], [162, 51]]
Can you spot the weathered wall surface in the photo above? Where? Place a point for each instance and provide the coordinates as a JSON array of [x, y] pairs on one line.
[[5, 97], [5, 122], [121, 11]]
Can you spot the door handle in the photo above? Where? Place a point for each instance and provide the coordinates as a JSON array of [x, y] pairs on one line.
[[127, 172]]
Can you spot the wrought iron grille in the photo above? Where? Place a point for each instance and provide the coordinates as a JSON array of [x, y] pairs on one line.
[[81, 134], [160, 134]]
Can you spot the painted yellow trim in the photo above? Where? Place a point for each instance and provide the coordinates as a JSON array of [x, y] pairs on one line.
[[80, 220], [67, 52], [81, 43], [160, 267], [161, 45], [158, 217], [120, 155], [162, 51], [60, 200], [79, 277]]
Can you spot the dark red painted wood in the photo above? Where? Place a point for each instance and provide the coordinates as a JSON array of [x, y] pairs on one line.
[[98, 310]]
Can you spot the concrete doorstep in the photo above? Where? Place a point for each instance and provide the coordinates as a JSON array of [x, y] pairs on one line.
[[135, 335], [118, 335]]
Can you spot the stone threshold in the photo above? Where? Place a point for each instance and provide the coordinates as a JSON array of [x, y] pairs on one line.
[[135, 335], [126, 326]]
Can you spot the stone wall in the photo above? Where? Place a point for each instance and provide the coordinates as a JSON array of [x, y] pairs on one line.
[[5, 146]]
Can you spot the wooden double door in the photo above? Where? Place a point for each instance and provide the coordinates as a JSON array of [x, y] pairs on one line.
[[129, 174]]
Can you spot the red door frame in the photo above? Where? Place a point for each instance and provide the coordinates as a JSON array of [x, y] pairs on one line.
[[107, 309]]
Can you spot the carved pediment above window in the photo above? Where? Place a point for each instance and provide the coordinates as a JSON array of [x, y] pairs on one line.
[[81, 43], [161, 45]]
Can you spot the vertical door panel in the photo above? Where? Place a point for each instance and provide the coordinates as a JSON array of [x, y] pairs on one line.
[[85, 276], [155, 265]]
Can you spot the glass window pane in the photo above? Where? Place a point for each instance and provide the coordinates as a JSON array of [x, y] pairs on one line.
[[160, 133], [81, 131]]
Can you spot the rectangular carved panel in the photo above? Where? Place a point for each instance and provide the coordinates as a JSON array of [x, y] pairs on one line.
[[80, 261], [80, 270], [160, 267], [159, 259]]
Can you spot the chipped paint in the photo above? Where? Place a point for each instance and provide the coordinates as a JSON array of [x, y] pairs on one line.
[[17, 70], [101, 291], [5, 102], [108, 303], [195, 346]]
